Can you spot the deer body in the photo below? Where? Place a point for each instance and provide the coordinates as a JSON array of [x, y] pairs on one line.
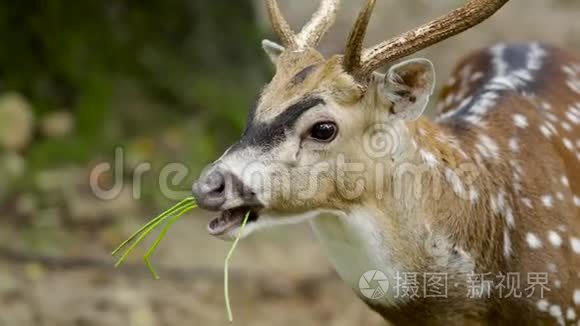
[[519, 215], [489, 190]]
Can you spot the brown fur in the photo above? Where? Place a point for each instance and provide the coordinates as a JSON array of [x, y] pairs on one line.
[[453, 196], [476, 228]]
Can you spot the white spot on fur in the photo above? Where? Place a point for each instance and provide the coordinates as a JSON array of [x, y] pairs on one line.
[[551, 127], [490, 146], [527, 202], [565, 181], [514, 145], [500, 65], [575, 244], [547, 201], [509, 217], [574, 85], [568, 144], [545, 131], [535, 56], [566, 126], [507, 244], [452, 80], [486, 101], [556, 311], [577, 297], [520, 121], [476, 76], [543, 305], [577, 201], [555, 239], [573, 118], [473, 196], [498, 203], [552, 117], [570, 314], [533, 241], [562, 228], [429, 158], [455, 182], [546, 106]]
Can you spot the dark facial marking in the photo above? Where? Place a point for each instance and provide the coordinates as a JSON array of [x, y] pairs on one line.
[[302, 75], [268, 135]]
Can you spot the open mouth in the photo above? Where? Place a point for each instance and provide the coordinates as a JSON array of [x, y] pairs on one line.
[[231, 219]]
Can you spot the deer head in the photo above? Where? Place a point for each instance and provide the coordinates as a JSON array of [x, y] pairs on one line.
[[305, 135]]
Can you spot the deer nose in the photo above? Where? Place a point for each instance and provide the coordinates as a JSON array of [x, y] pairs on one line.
[[210, 190]]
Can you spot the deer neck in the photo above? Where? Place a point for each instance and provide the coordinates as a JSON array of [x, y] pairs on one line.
[[407, 226]]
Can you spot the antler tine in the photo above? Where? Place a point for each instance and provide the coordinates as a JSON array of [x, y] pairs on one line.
[[354, 47], [280, 25], [320, 22], [455, 22]]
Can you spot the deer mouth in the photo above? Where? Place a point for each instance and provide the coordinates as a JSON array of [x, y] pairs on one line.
[[231, 219]]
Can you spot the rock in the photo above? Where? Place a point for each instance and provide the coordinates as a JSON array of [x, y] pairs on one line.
[[12, 165], [26, 204], [48, 218], [59, 179], [34, 271], [8, 282], [57, 124], [16, 122], [85, 208]]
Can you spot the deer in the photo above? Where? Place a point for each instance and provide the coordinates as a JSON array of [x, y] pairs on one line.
[[488, 191]]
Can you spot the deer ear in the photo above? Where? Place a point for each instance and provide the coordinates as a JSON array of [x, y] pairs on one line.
[[408, 86], [273, 50]]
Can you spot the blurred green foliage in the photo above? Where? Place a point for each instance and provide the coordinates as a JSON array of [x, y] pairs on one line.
[[131, 68]]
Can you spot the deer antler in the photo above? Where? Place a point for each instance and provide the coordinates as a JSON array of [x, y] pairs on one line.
[[280, 25], [354, 48], [362, 63], [320, 22], [312, 32]]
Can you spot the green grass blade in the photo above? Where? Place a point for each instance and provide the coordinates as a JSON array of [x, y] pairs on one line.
[[161, 236], [226, 264], [136, 242], [173, 209], [145, 231]]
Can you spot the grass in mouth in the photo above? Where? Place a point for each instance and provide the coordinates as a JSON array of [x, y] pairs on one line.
[[169, 217]]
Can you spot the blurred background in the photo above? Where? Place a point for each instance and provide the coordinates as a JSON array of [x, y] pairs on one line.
[[164, 82]]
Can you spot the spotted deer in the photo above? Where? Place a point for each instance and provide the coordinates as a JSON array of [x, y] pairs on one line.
[[473, 218]]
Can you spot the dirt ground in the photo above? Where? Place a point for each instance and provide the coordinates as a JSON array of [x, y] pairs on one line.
[[278, 277]]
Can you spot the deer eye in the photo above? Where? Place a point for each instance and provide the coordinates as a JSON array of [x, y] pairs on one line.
[[324, 131]]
